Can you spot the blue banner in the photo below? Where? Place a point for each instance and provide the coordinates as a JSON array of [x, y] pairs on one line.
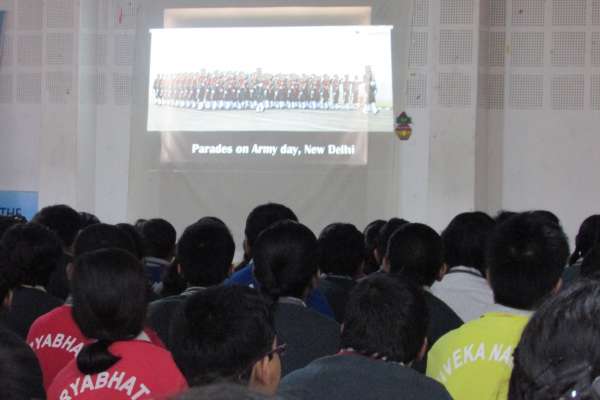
[[18, 203]]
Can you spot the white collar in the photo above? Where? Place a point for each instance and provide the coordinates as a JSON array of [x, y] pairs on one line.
[[292, 300]]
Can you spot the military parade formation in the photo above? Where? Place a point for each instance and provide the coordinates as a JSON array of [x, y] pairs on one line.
[[219, 90]]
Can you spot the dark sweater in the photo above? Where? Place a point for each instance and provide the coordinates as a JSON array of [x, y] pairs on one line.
[[347, 377], [337, 291], [308, 335], [27, 305]]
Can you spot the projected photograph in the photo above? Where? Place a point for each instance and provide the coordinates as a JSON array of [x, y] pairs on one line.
[[332, 79]]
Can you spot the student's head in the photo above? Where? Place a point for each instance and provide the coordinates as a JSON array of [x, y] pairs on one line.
[[136, 237], [226, 333], [341, 250], [370, 233], [525, 258], [416, 252], [32, 251], [86, 219], [383, 237], [205, 252], [102, 236], [587, 237], [285, 260], [61, 219], [109, 303], [260, 218], [503, 215], [386, 316], [558, 356], [160, 237], [20, 372], [7, 222], [465, 240]]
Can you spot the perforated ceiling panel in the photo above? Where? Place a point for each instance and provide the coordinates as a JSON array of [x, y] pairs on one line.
[[416, 90], [456, 47], [122, 88], [93, 49], [29, 88], [9, 16], [93, 90], [568, 48], [6, 51], [29, 50], [59, 86], [527, 91], [596, 92], [568, 12], [124, 14], [455, 89], [420, 13], [527, 49], [6, 88], [497, 48], [528, 12], [59, 48], [417, 54], [497, 12], [30, 14], [491, 91], [124, 49], [596, 12], [596, 49], [568, 92], [59, 14], [456, 12]]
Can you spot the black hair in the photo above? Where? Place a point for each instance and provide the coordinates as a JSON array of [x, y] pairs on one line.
[[386, 316], [159, 236], [547, 215], [220, 332], [223, 391], [87, 219], [587, 237], [109, 304], [7, 222], [504, 215], [173, 282], [416, 252], [205, 252], [370, 234], [102, 236], [136, 237], [385, 233], [341, 249], [465, 239], [285, 259], [263, 216], [20, 372], [32, 252], [559, 350], [590, 266], [62, 219], [525, 258]]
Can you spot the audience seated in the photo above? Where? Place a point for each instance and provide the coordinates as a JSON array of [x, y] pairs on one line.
[[159, 237], [227, 334], [204, 255], [55, 337], [65, 222], [121, 362], [259, 219], [558, 356], [285, 257], [416, 253], [31, 251], [20, 374], [587, 237], [464, 287], [525, 258], [370, 233], [341, 258], [384, 332]]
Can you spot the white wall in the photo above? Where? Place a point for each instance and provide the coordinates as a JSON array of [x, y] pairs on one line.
[[482, 139]]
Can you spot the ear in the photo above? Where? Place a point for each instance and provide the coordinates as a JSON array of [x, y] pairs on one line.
[[442, 272], [70, 271], [557, 287], [421, 354], [386, 264], [7, 301], [264, 378]]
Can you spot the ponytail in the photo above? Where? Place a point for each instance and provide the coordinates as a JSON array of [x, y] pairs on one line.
[[95, 357]]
